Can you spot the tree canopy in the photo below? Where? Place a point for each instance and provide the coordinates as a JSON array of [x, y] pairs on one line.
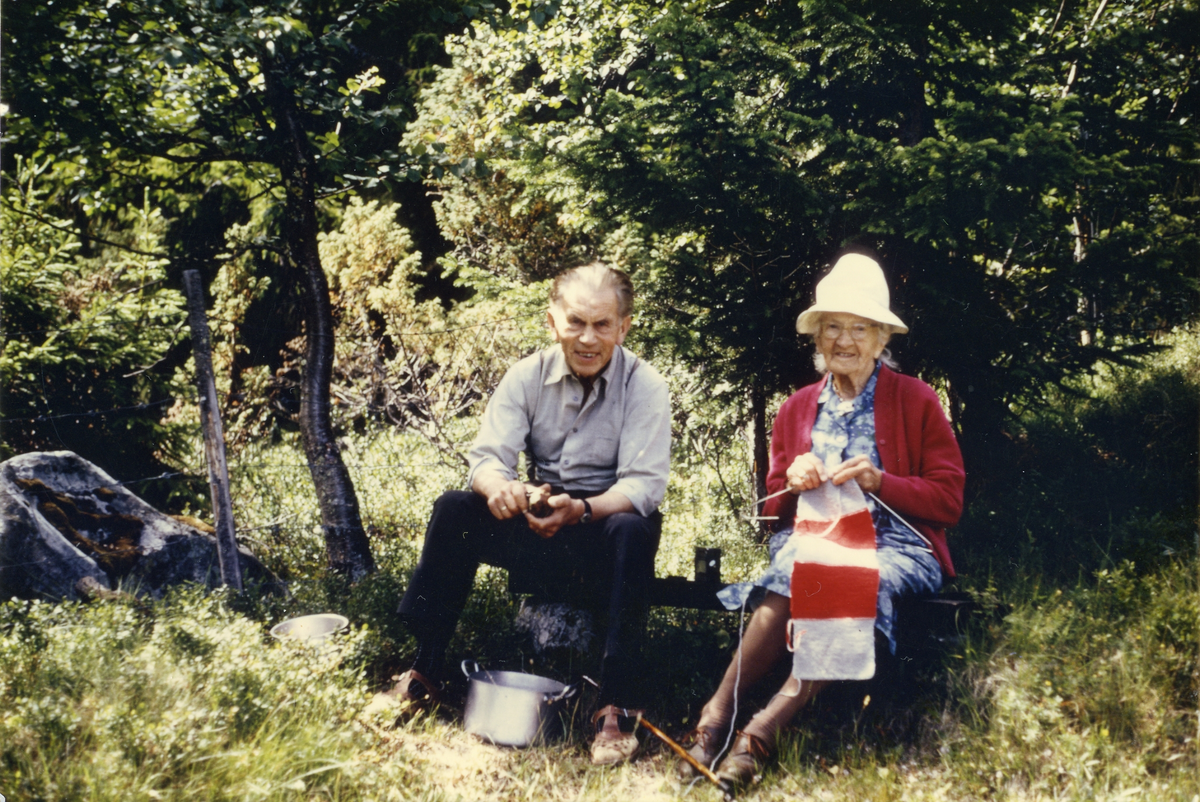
[[281, 101], [1026, 175]]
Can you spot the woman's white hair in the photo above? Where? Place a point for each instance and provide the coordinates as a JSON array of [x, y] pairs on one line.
[[886, 330]]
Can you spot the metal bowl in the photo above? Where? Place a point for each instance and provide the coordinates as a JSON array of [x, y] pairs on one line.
[[310, 628]]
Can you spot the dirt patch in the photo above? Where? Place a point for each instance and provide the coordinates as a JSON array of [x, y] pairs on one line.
[[463, 766]]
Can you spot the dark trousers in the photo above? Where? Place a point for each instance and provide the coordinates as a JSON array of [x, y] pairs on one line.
[[606, 564]]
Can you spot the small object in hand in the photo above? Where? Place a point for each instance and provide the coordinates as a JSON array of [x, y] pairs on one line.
[[538, 505]]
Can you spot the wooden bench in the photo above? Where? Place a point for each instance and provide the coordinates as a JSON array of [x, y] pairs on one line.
[[926, 624], [923, 624]]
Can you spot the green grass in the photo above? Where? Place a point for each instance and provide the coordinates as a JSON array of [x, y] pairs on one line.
[[1085, 693], [178, 699]]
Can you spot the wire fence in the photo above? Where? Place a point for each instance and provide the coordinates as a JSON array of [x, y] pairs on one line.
[[277, 494], [430, 333], [241, 325], [90, 413], [398, 463]]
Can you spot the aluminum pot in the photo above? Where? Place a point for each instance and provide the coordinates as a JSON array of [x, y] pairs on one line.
[[509, 708]]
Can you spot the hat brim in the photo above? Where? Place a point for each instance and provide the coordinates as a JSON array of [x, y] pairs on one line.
[[807, 322]]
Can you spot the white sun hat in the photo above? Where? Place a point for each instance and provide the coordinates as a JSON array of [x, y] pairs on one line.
[[855, 285]]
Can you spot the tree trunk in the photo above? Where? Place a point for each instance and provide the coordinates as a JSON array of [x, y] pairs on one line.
[[346, 543], [758, 423], [987, 451]]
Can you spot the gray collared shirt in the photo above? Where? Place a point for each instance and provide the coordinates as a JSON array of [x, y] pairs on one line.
[[620, 439]]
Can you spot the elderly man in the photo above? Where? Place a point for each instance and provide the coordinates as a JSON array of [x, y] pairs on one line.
[[594, 423]]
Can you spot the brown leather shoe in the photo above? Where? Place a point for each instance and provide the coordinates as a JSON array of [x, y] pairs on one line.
[[612, 746], [703, 744], [745, 761], [412, 693]]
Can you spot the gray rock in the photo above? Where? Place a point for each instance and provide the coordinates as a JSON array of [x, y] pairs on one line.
[[63, 520]]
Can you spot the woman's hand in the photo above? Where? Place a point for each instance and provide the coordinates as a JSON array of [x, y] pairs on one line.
[[805, 473], [860, 469]]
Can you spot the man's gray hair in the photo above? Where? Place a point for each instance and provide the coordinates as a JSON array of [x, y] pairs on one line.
[[596, 276]]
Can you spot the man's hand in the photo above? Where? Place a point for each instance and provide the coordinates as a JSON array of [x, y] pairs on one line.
[[509, 498], [538, 497], [860, 469], [564, 512], [805, 473]]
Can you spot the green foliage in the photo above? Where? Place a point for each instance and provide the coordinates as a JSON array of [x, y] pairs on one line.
[[494, 225], [210, 94], [1083, 691], [197, 83], [1089, 690], [1106, 473], [397, 474], [180, 700], [282, 93], [1080, 693], [414, 364], [710, 495], [401, 360], [1025, 175], [85, 337]]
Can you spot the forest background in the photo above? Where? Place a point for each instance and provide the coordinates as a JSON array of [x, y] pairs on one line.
[[376, 195]]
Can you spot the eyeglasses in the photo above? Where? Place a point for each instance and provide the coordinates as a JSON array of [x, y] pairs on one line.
[[858, 332]]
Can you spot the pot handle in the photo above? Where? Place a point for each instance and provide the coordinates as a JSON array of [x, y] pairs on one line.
[[468, 671], [565, 693]]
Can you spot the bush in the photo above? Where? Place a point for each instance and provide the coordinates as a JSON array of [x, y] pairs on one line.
[[1089, 691], [179, 699], [1106, 473], [86, 339], [1086, 690]]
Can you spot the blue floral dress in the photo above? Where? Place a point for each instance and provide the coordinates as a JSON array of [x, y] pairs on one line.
[[845, 429]]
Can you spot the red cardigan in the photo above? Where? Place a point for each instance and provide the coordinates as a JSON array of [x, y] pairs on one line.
[[923, 468]]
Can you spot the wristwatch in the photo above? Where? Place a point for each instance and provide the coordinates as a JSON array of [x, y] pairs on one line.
[[586, 518]]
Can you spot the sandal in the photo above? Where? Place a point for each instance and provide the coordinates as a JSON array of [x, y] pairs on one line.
[[746, 760], [611, 746], [412, 693], [703, 744]]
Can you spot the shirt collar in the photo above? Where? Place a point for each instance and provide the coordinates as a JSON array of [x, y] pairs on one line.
[[867, 395], [559, 370]]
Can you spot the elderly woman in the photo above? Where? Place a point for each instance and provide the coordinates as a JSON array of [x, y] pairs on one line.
[[865, 423]]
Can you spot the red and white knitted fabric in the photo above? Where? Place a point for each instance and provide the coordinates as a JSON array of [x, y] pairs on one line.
[[835, 585]]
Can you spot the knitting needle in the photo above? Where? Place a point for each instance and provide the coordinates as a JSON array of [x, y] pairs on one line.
[[878, 500], [895, 514], [773, 495], [767, 498]]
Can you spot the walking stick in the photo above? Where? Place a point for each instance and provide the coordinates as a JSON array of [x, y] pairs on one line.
[[696, 764]]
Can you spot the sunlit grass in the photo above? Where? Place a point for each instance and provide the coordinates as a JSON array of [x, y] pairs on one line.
[[178, 699], [1086, 693]]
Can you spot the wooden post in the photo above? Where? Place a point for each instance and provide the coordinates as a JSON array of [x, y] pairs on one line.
[[761, 452], [214, 437]]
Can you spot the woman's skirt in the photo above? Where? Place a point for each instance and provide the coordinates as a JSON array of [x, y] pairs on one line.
[[907, 567]]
